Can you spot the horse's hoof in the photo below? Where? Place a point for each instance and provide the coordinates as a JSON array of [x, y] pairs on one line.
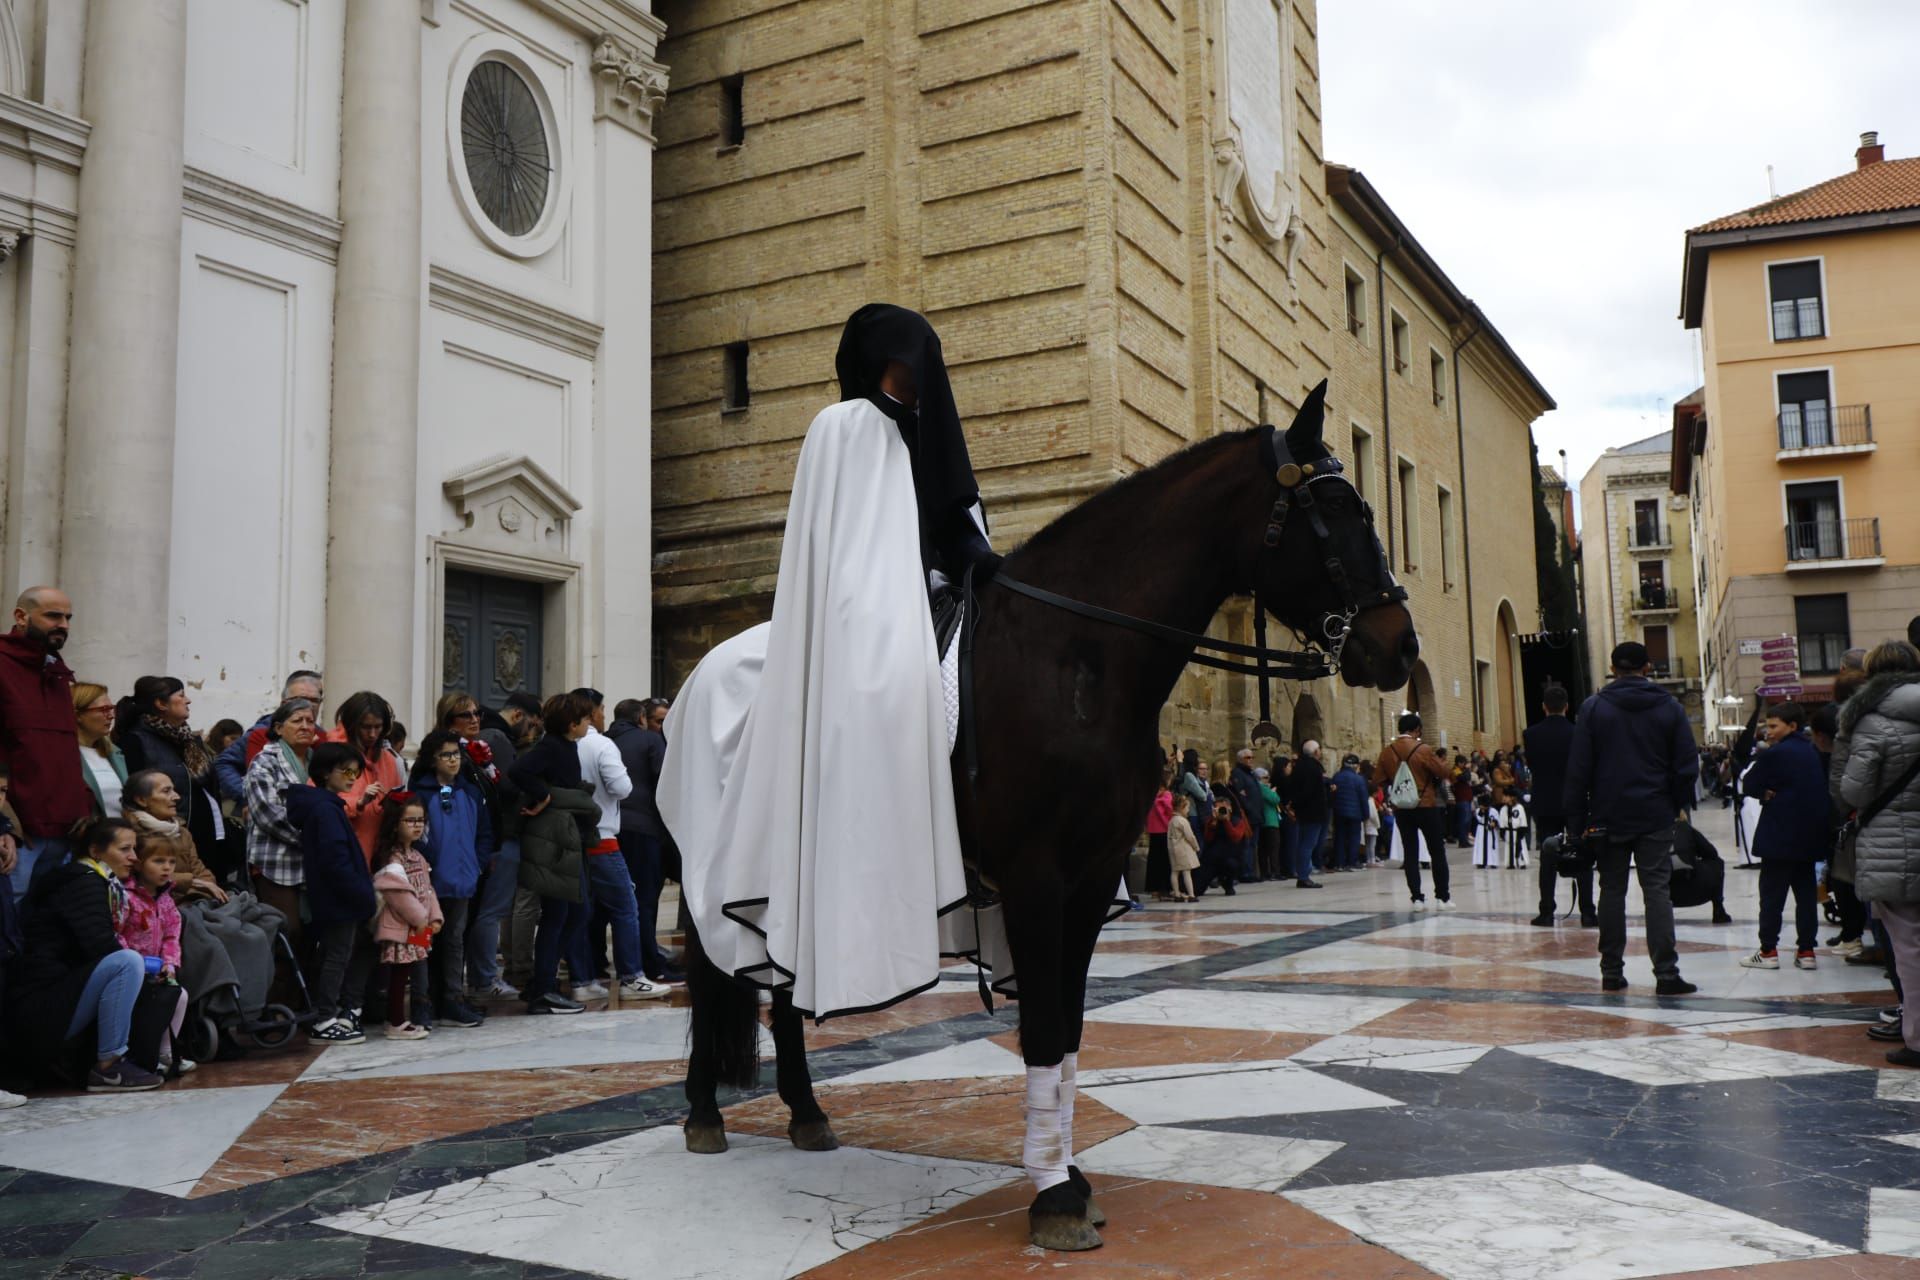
[[813, 1135], [1058, 1220], [1078, 1181], [706, 1139]]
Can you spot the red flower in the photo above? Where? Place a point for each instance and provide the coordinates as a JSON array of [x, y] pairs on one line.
[[479, 752]]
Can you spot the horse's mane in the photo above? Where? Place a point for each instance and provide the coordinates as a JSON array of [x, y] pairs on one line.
[[1130, 489]]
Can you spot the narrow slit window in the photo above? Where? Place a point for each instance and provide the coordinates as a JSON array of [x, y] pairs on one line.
[[734, 391], [733, 116]]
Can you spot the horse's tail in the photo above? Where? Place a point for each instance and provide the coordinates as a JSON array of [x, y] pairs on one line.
[[726, 1019]]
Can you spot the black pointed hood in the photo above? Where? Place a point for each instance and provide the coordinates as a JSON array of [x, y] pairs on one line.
[[942, 472]]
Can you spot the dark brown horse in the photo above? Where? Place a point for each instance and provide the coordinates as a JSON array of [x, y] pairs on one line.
[[1077, 701]]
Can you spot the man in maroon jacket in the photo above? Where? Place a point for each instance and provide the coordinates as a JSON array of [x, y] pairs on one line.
[[37, 732]]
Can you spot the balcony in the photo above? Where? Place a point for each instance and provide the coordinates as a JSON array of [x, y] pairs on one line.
[[1815, 431], [1672, 670], [1652, 600], [1853, 543], [1649, 537]]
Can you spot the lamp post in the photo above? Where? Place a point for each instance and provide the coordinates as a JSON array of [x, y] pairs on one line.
[[1729, 716]]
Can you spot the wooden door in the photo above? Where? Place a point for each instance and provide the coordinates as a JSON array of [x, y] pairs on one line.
[[491, 636]]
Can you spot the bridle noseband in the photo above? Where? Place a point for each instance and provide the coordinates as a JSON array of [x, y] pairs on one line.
[[1323, 652]]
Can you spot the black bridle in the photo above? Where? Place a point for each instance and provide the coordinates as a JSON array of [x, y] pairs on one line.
[[1322, 655]]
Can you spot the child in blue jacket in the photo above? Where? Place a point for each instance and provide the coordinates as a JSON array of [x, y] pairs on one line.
[[338, 894], [459, 843]]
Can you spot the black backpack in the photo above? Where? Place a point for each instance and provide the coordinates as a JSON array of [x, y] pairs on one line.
[[1699, 876]]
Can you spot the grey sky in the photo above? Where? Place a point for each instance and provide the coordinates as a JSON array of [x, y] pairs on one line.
[[1551, 157]]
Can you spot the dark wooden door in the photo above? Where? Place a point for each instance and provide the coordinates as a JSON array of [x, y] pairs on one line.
[[491, 636]]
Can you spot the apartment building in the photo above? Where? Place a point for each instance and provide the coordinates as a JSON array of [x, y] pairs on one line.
[[1638, 582], [1798, 465]]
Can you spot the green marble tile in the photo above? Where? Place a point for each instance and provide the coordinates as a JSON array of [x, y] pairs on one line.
[[328, 1258], [30, 1208], [490, 1154], [137, 1235]]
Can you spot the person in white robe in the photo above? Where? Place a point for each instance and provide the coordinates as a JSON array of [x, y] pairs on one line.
[[808, 783]]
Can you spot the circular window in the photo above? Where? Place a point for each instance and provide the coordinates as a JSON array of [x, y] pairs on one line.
[[503, 134]]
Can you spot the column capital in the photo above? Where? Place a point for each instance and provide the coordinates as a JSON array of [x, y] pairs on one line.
[[627, 86]]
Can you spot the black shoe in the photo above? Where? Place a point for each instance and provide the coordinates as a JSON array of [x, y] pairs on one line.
[[1721, 917], [1613, 982], [1901, 1057], [1674, 987], [1589, 922], [672, 977], [461, 1014], [554, 1002], [1308, 884], [1544, 920], [1229, 892], [1881, 1031]]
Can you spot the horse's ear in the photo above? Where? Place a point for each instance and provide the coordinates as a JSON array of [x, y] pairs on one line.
[[1303, 437]]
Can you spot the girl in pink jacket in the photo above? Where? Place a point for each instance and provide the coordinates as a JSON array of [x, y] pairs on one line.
[[151, 927], [409, 911]]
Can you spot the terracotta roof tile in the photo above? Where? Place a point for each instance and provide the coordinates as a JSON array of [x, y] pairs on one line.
[[1878, 188]]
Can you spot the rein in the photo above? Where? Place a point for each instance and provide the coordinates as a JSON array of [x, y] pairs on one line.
[[1321, 658]]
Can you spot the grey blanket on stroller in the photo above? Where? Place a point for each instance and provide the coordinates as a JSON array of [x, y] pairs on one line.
[[229, 946]]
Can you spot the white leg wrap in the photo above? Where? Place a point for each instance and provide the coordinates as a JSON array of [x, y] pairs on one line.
[[1044, 1154], [1069, 1089]]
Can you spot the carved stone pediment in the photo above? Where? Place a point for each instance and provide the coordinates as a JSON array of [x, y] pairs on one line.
[[510, 503]]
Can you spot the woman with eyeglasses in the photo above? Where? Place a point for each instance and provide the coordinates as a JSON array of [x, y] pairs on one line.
[[364, 722], [101, 763], [458, 837], [273, 842]]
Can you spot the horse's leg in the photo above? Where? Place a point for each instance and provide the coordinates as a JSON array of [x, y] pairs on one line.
[[723, 1045], [1035, 922], [1085, 914], [808, 1128]]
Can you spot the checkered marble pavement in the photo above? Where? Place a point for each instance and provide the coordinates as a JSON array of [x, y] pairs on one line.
[[1287, 1082]]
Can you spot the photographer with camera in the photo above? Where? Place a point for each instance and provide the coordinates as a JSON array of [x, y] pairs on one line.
[[1633, 760], [1549, 742]]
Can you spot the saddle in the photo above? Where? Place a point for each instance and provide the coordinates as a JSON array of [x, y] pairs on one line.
[[956, 611]]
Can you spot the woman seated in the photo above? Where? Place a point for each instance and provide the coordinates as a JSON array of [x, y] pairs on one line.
[[151, 802]]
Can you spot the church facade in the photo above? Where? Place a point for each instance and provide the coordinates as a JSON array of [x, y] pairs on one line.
[[1116, 215], [325, 340]]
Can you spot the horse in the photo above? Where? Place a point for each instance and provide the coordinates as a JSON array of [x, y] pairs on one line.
[[1076, 699]]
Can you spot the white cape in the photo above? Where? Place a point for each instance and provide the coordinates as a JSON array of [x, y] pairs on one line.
[[807, 781]]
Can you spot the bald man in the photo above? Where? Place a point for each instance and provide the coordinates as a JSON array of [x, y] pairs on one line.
[[36, 732]]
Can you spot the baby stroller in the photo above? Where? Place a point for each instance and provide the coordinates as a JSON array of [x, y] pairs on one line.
[[229, 952]]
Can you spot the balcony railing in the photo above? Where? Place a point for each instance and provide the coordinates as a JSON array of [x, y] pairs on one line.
[[1669, 669], [1857, 538], [1816, 425], [1656, 600], [1644, 537]]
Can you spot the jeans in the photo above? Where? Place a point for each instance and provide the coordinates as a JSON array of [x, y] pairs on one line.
[[1777, 877], [343, 957], [107, 1002], [609, 893], [560, 924], [43, 854], [1652, 857], [1463, 822], [642, 855], [1346, 843], [1304, 849], [447, 962], [1418, 825], [495, 902]]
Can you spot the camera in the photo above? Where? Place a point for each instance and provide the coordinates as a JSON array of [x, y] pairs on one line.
[[1575, 856]]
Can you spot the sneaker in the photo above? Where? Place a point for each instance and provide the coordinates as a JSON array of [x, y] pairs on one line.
[[1446, 904], [1308, 884], [336, 1031], [1804, 960], [554, 1002], [638, 988], [407, 1031], [675, 978], [121, 1076], [1761, 960], [589, 991], [461, 1014], [501, 989], [1881, 1031], [1613, 982], [10, 1100], [1674, 987], [1851, 947], [1419, 904], [1543, 921], [185, 1066], [1891, 1016]]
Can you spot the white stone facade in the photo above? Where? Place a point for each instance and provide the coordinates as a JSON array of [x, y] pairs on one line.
[[272, 365]]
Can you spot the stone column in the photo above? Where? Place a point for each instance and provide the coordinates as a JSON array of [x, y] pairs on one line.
[[372, 556], [116, 514], [629, 88]]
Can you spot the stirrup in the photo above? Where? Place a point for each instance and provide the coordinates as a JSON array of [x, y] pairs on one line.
[[981, 892]]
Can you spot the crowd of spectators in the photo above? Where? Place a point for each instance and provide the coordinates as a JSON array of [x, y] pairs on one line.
[[150, 872]]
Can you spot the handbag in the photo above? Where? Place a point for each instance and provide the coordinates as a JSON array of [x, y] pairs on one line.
[[1857, 823]]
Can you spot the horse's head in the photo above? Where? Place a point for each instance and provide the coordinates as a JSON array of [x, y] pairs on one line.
[[1321, 569]]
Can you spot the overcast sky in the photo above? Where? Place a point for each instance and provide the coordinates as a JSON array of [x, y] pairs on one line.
[[1551, 157]]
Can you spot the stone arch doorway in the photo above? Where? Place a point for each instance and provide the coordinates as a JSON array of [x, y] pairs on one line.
[[1420, 701], [1506, 641], [1308, 723]]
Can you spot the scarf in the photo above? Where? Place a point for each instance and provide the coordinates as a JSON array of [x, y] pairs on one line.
[[149, 824], [294, 762], [116, 891], [192, 748]]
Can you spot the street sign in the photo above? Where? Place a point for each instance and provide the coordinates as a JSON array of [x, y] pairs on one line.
[[1779, 643], [1782, 690], [1781, 668], [1749, 648]]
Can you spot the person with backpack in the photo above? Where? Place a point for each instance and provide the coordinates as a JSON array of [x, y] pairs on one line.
[[1415, 777], [1549, 741]]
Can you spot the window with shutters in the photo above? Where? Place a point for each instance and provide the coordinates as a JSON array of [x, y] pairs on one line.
[[1796, 299], [1821, 623]]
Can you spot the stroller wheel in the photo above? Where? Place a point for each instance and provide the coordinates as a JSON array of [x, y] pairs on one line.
[[274, 1027], [200, 1038]]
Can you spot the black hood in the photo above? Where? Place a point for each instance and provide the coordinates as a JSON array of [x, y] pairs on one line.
[[877, 333], [1635, 693]]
